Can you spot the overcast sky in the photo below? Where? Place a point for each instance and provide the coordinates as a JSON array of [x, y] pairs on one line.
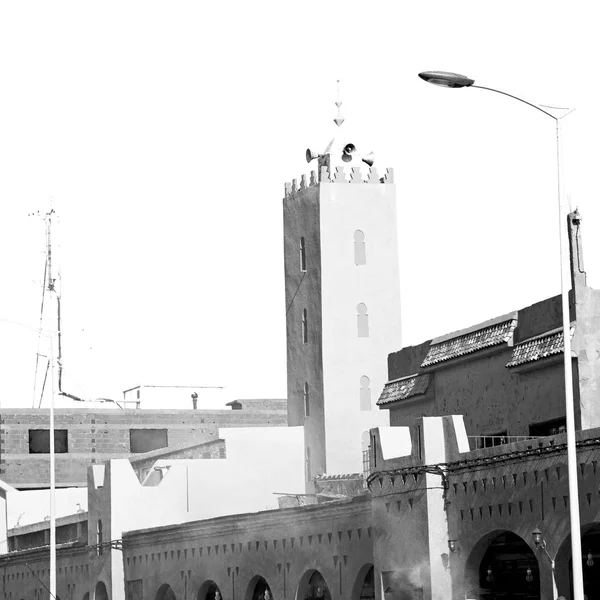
[[164, 132]]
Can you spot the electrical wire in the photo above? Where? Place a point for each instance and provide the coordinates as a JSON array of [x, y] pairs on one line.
[[294, 296]]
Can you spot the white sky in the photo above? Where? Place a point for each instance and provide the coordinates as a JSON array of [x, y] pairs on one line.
[[164, 133]]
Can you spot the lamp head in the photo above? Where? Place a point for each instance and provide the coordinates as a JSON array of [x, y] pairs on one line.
[[536, 534], [446, 79], [452, 545]]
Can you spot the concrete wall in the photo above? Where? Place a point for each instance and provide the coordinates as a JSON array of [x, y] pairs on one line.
[[284, 547], [95, 436], [345, 208], [490, 396], [301, 218]]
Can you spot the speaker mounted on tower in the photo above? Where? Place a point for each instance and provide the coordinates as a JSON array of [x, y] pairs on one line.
[[349, 150], [311, 155]]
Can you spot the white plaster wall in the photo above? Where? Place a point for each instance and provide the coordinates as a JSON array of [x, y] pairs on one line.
[[346, 357], [260, 461]]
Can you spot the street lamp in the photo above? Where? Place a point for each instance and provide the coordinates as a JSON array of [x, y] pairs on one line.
[[454, 80]]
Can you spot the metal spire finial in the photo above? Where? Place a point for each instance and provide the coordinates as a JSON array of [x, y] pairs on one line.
[[338, 119]]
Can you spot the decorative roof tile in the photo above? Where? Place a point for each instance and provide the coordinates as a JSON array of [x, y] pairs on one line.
[[487, 337], [341, 476], [537, 348], [401, 389]]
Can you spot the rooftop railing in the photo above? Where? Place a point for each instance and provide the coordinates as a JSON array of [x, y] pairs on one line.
[[476, 442]]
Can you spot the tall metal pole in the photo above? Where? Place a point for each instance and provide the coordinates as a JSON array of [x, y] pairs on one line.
[[565, 277], [52, 480]]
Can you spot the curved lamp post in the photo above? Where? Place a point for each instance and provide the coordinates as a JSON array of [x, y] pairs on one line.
[[454, 80]]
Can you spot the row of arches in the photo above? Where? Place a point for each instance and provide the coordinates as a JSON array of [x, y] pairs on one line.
[[503, 565], [312, 586], [360, 250]]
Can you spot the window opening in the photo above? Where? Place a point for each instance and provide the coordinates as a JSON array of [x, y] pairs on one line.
[[365, 393], [553, 427], [304, 326], [146, 440], [362, 320], [99, 548], [360, 251], [39, 441], [302, 254], [306, 401]]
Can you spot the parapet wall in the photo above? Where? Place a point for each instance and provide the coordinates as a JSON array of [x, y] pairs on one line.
[[340, 175]]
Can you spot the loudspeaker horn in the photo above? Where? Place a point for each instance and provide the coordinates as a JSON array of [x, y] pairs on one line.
[[311, 154], [369, 158], [349, 149]]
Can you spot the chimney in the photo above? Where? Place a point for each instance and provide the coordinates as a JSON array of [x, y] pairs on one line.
[[578, 275]]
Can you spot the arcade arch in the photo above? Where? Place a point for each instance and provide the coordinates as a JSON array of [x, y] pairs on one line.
[[590, 553], [258, 589], [313, 586], [502, 563], [364, 585], [100, 592], [165, 592], [209, 590]]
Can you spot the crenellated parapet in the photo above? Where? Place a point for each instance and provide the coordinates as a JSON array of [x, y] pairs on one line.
[[339, 175]]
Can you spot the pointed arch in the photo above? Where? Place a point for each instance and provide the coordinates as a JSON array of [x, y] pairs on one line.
[[258, 589]]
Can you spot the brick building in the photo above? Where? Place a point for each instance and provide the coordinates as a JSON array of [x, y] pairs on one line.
[[86, 436]]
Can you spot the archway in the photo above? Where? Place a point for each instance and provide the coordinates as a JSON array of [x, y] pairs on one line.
[[165, 592], [86, 596], [590, 553], [258, 589], [209, 590], [313, 586], [502, 565], [100, 593], [364, 586]]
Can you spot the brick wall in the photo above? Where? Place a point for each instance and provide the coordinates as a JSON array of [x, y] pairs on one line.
[[95, 436]]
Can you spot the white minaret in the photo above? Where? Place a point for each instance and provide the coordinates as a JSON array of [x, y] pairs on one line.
[[342, 302]]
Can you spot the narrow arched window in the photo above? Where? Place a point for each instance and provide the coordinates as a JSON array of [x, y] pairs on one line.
[[362, 320], [365, 393], [305, 326], [308, 468], [306, 401], [360, 250], [99, 538], [302, 254]]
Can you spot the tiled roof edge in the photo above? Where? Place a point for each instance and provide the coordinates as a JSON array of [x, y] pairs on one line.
[[491, 344], [484, 325]]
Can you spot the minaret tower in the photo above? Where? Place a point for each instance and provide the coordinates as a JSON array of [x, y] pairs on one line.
[[342, 302]]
